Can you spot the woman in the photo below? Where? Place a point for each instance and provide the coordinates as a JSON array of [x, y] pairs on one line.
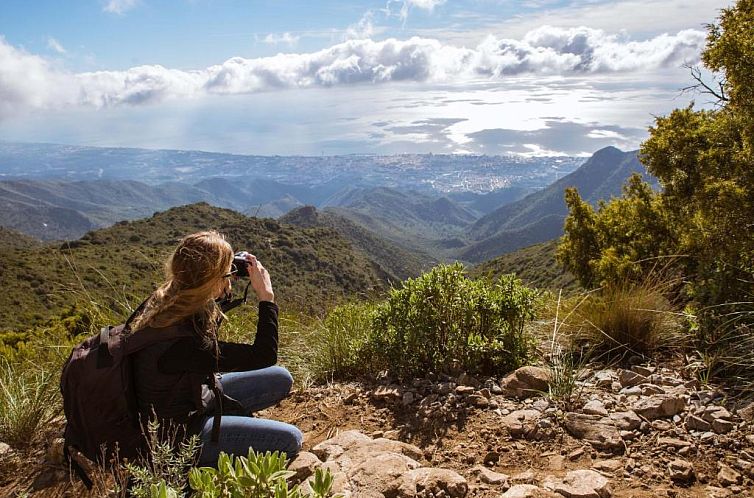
[[174, 379]]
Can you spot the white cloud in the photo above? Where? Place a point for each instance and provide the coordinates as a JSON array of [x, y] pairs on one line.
[[29, 81], [364, 28], [284, 39], [55, 45], [428, 5], [119, 6]]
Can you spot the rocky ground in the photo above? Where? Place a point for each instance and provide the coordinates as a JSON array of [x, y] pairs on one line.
[[641, 432]]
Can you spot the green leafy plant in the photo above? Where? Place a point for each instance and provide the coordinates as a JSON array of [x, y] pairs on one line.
[[257, 475], [443, 318]]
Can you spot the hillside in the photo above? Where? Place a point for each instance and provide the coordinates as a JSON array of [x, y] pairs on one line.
[[535, 265], [311, 267], [394, 262], [539, 216]]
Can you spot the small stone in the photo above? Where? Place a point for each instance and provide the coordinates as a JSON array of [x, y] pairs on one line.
[[722, 426], [672, 442], [492, 457], [527, 477], [599, 432], [488, 476], [408, 398], [631, 391], [627, 378], [5, 449], [646, 371], [681, 471], [695, 423], [659, 405], [521, 423], [627, 421], [661, 425], [595, 407], [464, 390], [555, 463], [387, 393], [431, 482], [479, 401], [580, 484], [650, 389], [747, 412], [576, 454], [486, 393], [525, 382], [467, 380], [712, 413], [728, 477], [603, 379], [304, 465], [611, 466]]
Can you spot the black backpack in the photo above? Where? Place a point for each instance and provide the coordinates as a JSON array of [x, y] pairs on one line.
[[98, 393], [99, 400]]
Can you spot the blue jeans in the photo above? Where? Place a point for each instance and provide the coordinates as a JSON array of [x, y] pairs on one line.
[[255, 390]]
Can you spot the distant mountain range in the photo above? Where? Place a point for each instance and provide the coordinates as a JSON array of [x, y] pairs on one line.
[[400, 230]]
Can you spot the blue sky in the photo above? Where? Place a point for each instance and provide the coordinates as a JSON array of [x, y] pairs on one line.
[[311, 77]]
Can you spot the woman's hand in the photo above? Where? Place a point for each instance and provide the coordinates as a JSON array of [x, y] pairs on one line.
[[260, 280]]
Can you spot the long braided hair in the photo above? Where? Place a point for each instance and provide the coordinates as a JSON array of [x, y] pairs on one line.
[[193, 277]]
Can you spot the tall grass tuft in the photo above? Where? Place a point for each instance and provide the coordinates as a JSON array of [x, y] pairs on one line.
[[625, 320], [28, 401]]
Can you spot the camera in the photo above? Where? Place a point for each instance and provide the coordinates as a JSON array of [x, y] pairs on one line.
[[241, 264]]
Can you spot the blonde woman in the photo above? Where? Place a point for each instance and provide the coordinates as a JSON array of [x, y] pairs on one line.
[[179, 380]]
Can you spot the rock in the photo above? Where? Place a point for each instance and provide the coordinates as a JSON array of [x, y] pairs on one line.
[[650, 389], [522, 423], [660, 425], [488, 476], [432, 482], [595, 407], [672, 442], [479, 401], [387, 393], [695, 423], [468, 380], [747, 412], [576, 454], [491, 457], [659, 406], [5, 450], [526, 382], [715, 492], [610, 466], [528, 491], [337, 445], [603, 379], [712, 413], [363, 451], [601, 433], [380, 472], [55, 451], [722, 426], [526, 477], [580, 484], [464, 390], [728, 477], [681, 471], [646, 371], [304, 465], [626, 421], [408, 398], [627, 378], [486, 393]]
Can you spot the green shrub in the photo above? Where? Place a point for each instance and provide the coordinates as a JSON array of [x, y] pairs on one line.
[[255, 476], [443, 319], [338, 345], [28, 401]]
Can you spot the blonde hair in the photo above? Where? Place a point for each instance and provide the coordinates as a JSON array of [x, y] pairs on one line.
[[193, 276]]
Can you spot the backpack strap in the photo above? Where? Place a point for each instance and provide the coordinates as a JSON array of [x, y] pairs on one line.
[[104, 355]]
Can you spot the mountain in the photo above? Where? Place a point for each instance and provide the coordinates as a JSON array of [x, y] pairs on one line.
[[311, 268], [539, 216], [395, 262], [56, 209], [489, 201], [535, 265]]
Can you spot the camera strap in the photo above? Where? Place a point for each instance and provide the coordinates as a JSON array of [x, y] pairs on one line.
[[228, 303]]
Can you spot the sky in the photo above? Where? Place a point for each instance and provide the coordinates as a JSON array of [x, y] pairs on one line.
[[304, 77]]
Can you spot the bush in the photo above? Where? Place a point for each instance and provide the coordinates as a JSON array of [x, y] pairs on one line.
[[255, 476], [28, 401], [443, 319]]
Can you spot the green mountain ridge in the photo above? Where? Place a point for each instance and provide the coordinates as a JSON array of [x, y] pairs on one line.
[[311, 268]]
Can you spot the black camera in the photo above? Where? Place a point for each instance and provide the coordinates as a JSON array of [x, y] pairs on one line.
[[241, 264]]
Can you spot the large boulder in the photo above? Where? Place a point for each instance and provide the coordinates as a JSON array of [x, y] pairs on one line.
[[526, 382]]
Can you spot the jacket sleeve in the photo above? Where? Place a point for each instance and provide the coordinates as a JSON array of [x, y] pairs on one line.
[[188, 355]]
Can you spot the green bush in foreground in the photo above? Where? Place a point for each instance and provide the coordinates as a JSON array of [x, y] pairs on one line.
[[444, 320]]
